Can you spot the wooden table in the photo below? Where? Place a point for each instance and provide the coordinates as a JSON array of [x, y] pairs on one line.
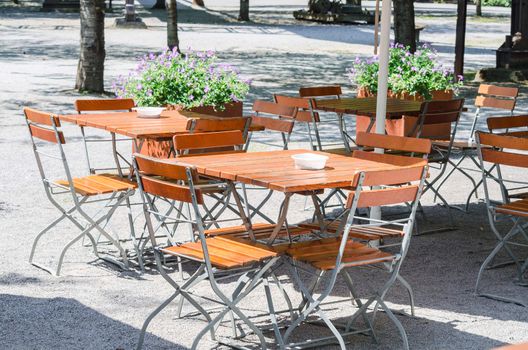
[[367, 106], [275, 170], [396, 108], [130, 125]]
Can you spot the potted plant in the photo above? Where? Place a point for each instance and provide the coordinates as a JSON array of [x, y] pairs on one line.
[[418, 76], [194, 81]]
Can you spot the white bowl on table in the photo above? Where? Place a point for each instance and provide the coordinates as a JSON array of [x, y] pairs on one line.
[[148, 112], [309, 161]]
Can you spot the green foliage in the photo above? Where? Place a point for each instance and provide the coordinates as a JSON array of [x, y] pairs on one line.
[[502, 3], [190, 80], [418, 73]]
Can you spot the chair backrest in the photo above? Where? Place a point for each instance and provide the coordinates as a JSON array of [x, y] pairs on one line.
[[304, 113], [274, 117], [497, 153], [498, 97], [207, 143], [273, 108], [394, 143], [219, 124], [321, 91], [166, 179], [100, 105], [436, 113], [513, 126]]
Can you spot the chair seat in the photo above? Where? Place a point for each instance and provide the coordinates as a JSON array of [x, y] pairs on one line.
[[260, 230], [99, 184], [322, 254], [517, 208], [224, 253], [459, 144], [366, 233]]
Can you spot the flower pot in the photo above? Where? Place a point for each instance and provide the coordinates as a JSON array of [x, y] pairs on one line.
[[161, 149], [404, 125]]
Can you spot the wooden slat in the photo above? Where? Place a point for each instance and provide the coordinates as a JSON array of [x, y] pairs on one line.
[[318, 91], [398, 143], [517, 208], [112, 104], [277, 109], [157, 167], [99, 184], [170, 190], [281, 125], [505, 158], [495, 90], [493, 102], [208, 140], [503, 141], [518, 121], [40, 117], [292, 101], [224, 124], [46, 134], [382, 197]]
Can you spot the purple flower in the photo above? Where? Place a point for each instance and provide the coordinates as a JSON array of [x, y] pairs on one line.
[[139, 86], [233, 98], [460, 77], [207, 89], [191, 97], [149, 92]]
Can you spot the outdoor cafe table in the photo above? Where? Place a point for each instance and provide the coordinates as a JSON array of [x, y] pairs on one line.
[[396, 108], [275, 170]]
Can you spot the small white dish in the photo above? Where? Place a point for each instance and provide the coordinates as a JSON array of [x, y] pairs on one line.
[[309, 161], [149, 112]]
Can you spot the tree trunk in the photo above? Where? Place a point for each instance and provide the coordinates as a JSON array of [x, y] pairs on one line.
[[90, 70], [172, 25], [478, 7], [244, 11], [404, 27], [160, 5]]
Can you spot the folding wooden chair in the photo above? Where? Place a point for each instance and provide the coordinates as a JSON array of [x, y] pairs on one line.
[[435, 113], [305, 115], [273, 117], [104, 105], [490, 98], [338, 255], [504, 151], [325, 92], [173, 181], [107, 188]]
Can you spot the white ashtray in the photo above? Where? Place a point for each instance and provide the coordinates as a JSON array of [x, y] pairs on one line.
[[149, 112], [309, 161]]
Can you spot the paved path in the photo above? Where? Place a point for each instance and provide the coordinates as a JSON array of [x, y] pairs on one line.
[[96, 307]]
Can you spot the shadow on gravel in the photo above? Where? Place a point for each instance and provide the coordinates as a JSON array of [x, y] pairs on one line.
[[63, 323]]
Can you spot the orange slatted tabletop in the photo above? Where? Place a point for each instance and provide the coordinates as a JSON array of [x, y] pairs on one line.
[[367, 106], [275, 170], [129, 124]]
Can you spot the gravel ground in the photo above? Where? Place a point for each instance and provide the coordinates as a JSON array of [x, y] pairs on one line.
[[94, 306]]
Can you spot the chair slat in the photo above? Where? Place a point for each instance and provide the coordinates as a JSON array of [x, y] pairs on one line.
[[170, 190], [503, 141], [318, 91], [292, 101], [495, 90], [393, 177], [208, 140], [386, 196], [508, 122], [211, 125], [390, 142], [493, 102], [111, 104], [46, 134], [267, 107], [155, 166], [505, 158], [40, 117], [281, 125]]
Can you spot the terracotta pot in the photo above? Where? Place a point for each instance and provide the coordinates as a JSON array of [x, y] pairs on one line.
[[404, 126], [161, 149]]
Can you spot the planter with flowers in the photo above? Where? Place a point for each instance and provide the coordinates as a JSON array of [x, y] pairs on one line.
[[417, 76], [194, 81]]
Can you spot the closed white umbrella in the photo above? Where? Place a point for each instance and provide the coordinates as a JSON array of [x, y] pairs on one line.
[[383, 75]]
